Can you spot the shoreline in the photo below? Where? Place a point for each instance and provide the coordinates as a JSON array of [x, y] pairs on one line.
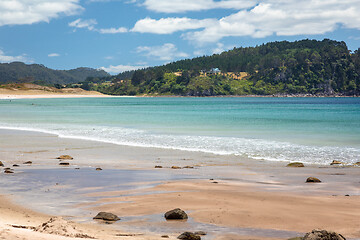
[[40, 95], [143, 201]]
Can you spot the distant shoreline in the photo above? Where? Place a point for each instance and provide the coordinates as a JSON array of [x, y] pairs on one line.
[[80, 93], [46, 96]]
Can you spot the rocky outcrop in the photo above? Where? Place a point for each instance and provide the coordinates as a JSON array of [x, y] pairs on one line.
[[176, 214], [189, 236], [295, 164], [175, 167], [28, 162], [323, 235], [1, 164], [106, 216], [64, 164], [98, 169], [313, 180]]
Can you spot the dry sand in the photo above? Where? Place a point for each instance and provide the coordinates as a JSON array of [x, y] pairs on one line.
[[250, 200], [26, 91]]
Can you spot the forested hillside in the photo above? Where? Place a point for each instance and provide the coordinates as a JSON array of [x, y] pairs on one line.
[[303, 67], [18, 72]]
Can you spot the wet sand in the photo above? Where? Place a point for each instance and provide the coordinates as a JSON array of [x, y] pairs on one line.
[[248, 199]]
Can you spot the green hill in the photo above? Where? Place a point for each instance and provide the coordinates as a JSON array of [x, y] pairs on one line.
[[303, 67], [17, 72]]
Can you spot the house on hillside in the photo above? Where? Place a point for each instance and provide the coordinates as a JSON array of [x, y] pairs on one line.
[[214, 71]]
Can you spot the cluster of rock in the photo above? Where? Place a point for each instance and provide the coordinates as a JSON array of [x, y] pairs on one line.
[[175, 214], [8, 170], [318, 234], [63, 159]]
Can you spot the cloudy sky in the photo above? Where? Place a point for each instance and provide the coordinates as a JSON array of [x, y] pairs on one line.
[[119, 35]]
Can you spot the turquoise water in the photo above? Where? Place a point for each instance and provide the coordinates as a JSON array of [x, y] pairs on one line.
[[312, 130]]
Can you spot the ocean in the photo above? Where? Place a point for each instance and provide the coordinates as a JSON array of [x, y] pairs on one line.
[[310, 130]]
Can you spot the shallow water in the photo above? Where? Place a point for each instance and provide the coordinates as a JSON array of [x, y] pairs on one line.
[[51, 191], [64, 190], [311, 130]]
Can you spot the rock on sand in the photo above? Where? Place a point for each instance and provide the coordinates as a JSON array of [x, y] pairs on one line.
[[176, 214], [189, 236], [313, 180], [295, 164], [323, 235], [65, 157], [106, 216]]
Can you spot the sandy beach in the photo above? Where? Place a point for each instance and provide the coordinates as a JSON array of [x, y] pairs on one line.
[[227, 197], [30, 91]]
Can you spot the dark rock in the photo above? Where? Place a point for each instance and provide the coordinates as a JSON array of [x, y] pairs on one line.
[[158, 166], [313, 180], [98, 169], [215, 182], [64, 164], [176, 214], [28, 162], [106, 216], [15, 165], [165, 236], [175, 167], [336, 162], [189, 236], [323, 235], [202, 233], [1, 164], [357, 164], [188, 167], [8, 171], [295, 164], [65, 157]]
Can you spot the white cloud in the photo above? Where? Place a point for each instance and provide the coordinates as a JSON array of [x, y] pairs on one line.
[[91, 23], [28, 12], [283, 18], [6, 59], [113, 30], [121, 68], [178, 6], [170, 25], [79, 23], [53, 55], [254, 18], [166, 52]]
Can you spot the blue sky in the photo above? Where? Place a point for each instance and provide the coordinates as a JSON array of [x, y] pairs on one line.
[[119, 35]]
